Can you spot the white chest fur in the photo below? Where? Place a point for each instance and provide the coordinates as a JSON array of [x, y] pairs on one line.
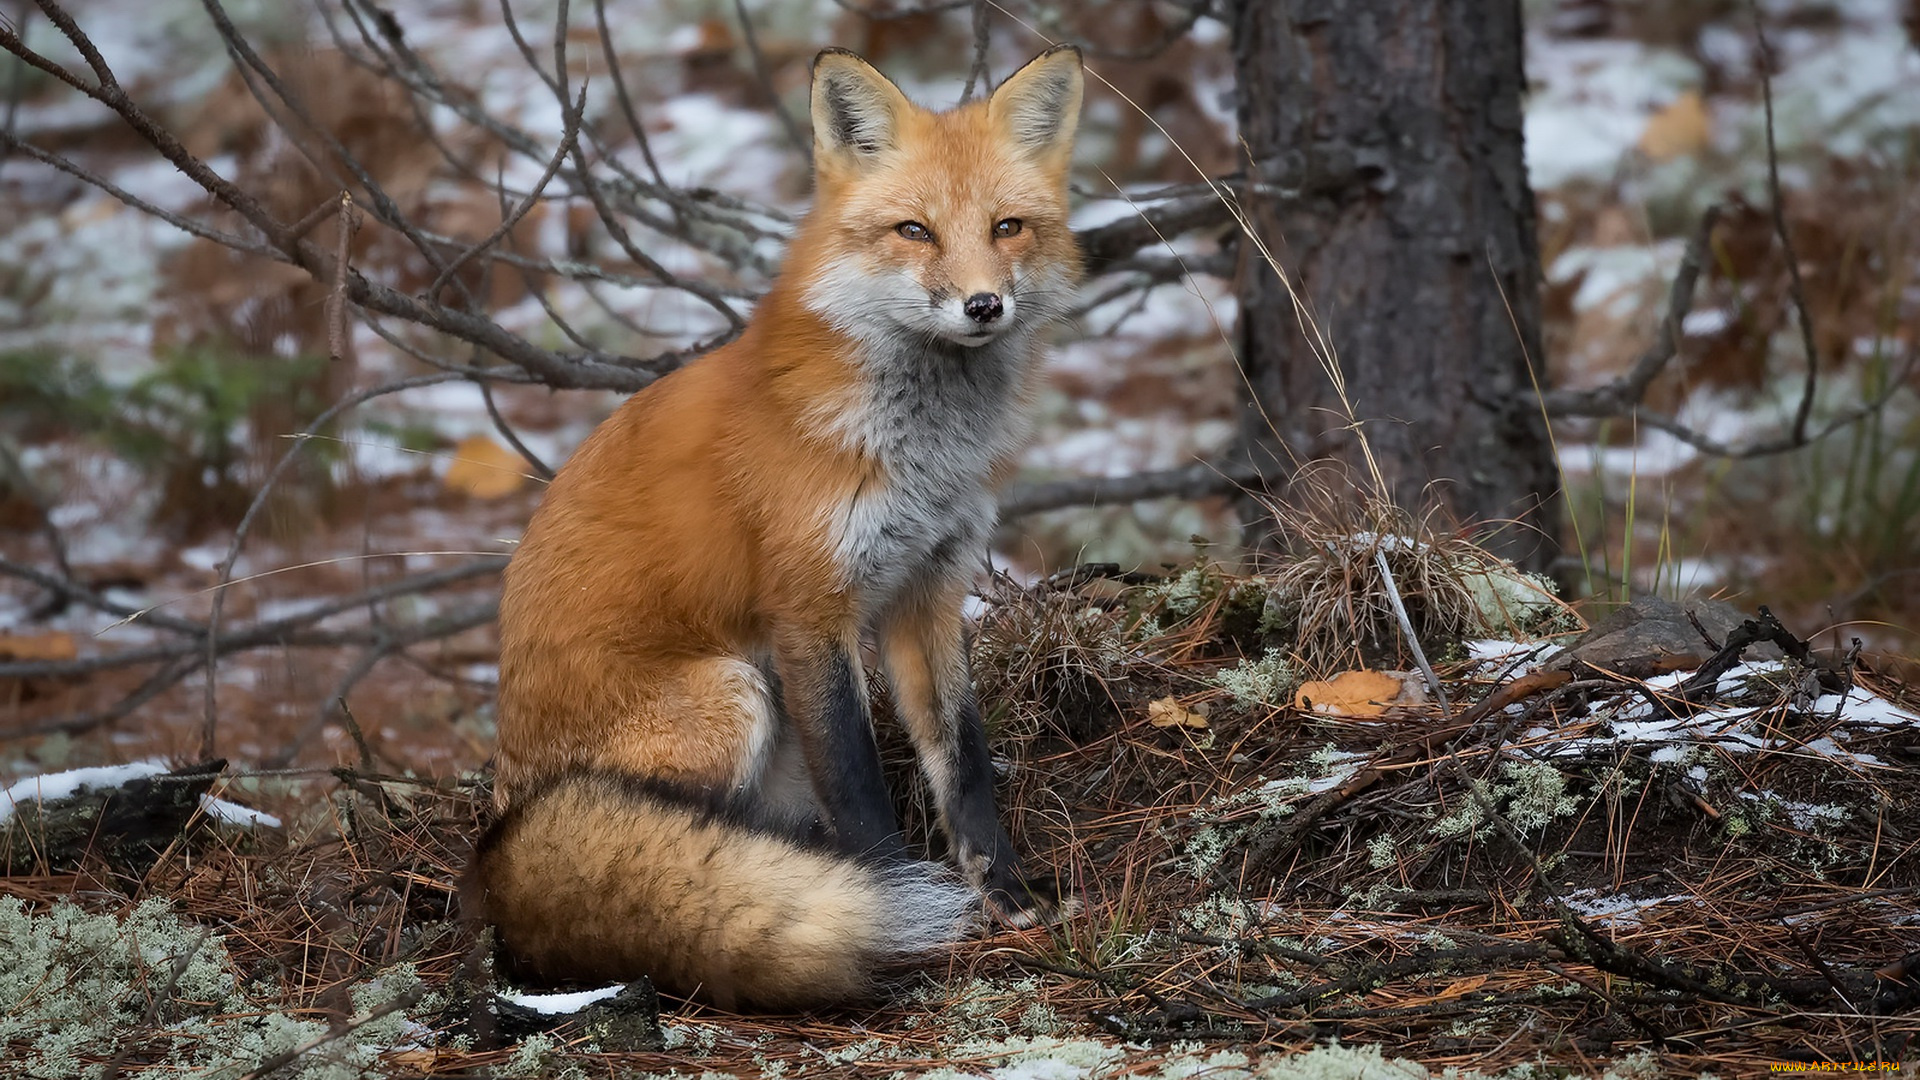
[[934, 422]]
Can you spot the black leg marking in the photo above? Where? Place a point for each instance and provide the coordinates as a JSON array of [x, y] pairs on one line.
[[845, 763], [981, 843]]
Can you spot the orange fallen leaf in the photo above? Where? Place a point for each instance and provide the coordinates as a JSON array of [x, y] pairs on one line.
[[1167, 712], [1350, 693], [1679, 129], [54, 645], [484, 469]]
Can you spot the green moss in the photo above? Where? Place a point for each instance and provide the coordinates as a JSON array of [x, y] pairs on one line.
[[1269, 680], [1529, 794], [75, 986]]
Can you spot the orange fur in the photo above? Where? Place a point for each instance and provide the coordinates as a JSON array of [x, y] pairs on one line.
[[745, 520]]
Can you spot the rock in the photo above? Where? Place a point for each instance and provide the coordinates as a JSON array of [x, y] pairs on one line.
[[1653, 627]]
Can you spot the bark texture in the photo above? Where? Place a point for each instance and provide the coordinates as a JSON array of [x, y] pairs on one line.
[[1385, 140]]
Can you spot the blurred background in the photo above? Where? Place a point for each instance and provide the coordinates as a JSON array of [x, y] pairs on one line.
[[157, 360]]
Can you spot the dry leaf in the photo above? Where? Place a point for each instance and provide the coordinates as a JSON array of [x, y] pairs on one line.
[[1677, 130], [484, 469], [1350, 693], [1167, 712], [54, 645]]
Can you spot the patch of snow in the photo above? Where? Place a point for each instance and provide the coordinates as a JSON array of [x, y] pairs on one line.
[[1705, 322], [1802, 815], [205, 557], [1614, 910], [1688, 574], [1497, 654], [228, 813], [1125, 445], [53, 787], [1862, 708], [1736, 678], [63, 785], [705, 141], [1716, 415], [1616, 277], [1590, 102], [1668, 680], [1733, 728], [556, 1004], [1845, 98]]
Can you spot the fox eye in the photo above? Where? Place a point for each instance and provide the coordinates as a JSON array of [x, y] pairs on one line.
[[1006, 227], [913, 230]]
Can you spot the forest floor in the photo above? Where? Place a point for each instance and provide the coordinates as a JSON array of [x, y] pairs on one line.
[[1665, 849], [1604, 869]]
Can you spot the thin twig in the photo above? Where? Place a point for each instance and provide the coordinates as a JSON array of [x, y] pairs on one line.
[[568, 135], [1796, 288], [982, 38], [1625, 393], [345, 226], [540, 467], [764, 76]]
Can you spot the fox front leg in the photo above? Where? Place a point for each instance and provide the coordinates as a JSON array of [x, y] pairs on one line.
[[926, 660], [826, 699]]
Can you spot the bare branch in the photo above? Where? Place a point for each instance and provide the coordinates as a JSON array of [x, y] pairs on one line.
[[1625, 393], [569, 134], [1191, 482], [632, 115], [1104, 245], [500, 424]]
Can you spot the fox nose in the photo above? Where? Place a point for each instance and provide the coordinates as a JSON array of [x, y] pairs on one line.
[[984, 307]]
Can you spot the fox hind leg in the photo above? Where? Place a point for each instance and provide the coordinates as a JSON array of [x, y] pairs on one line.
[[708, 724]]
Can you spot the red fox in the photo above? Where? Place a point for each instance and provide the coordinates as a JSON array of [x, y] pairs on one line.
[[681, 690]]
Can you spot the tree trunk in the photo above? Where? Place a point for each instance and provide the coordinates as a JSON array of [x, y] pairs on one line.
[[1386, 137]]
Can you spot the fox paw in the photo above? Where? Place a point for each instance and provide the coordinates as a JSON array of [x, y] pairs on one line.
[[1030, 901]]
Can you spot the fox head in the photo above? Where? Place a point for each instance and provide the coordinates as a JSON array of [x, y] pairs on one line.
[[948, 227]]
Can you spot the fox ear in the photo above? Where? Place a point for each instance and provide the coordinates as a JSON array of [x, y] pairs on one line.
[[1039, 105], [856, 111]]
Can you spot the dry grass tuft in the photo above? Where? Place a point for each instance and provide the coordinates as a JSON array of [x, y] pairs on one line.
[[1047, 660], [1332, 592]]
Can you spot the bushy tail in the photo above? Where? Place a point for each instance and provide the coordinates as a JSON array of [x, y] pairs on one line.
[[601, 877]]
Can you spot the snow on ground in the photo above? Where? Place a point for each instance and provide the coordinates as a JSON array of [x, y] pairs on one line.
[[63, 785], [556, 1004], [1741, 729], [53, 787], [1613, 910], [1516, 658], [1590, 102]]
